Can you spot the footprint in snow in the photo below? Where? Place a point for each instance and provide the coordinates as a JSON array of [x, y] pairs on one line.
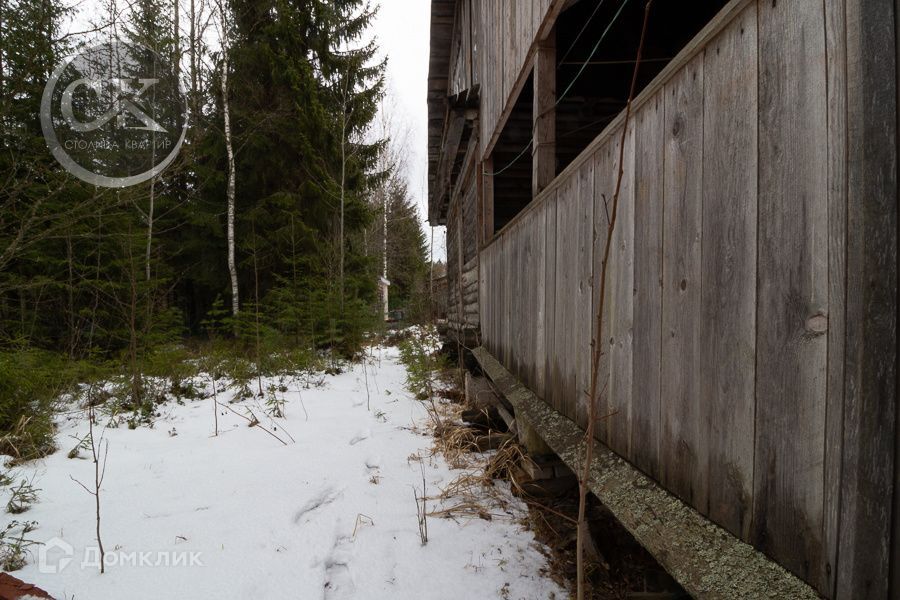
[[325, 497], [362, 435], [338, 578]]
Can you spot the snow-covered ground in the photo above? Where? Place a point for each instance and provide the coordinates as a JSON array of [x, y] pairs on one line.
[[332, 515]]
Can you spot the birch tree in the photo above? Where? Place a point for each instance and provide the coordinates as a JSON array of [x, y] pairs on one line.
[[229, 149]]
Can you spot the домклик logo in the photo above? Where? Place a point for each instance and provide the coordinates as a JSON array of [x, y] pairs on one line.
[[114, 114]]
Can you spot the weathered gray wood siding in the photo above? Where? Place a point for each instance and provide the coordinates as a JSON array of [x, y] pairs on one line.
[[492, 41], [749, 347], [506, 34]]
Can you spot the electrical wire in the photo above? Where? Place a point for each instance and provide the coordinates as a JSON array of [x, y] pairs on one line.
[[569, 87], [580, 33]]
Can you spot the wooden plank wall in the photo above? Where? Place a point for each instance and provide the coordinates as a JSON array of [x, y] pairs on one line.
[[507, 30], [727, 372], [491, 42], [464, 61]]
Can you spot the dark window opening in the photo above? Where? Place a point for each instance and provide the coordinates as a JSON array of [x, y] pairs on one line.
[[595, 53], [600, 92], [513, 161]]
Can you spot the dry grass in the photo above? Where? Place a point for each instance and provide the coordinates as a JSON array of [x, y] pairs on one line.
[[456, 442], [485, 487], [475, 493]]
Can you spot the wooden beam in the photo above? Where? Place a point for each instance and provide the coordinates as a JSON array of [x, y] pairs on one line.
[[487, 200], [870, 387], [492, 133], [544, 129], [450, 147], [705, 559]]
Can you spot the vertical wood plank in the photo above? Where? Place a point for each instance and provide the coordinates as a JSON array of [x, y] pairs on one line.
[[484, 44], [604, 187], [580, 337], [460, 267], [550, 391], [648, 222], [496, 310], [488, 202], [508, 274], [528, 30], [684, 420], [526, 291], [483, 270], [836, 48], [894, 585], [792, 293], [512, 251], [540, 349], [487, 319], [530, 289], [728, 337], [566, 285], [519, 313], [621, 283], [540, 10], [870, 409], [544, 108], [504, 56]]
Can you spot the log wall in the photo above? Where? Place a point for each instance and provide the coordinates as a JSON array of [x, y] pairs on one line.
[[749, 338], [462, 256]]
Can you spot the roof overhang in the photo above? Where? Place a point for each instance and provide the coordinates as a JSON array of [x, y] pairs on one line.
[[443, 13]]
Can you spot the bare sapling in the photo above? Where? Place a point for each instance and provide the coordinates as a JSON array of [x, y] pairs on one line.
[[365, 361], [211, 364], [252, 421], [99, 472], [215, 406], [421, 509], [596, 345]]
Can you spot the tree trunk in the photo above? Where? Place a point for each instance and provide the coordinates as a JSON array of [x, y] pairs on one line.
[[193, 50], [343, 195], [232, 266], [176, 36], [150, 211]]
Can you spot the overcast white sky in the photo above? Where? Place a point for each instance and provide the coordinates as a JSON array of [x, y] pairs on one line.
[[402, 29]]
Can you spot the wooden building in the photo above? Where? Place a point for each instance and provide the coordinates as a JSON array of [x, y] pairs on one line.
[[749, 366]]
